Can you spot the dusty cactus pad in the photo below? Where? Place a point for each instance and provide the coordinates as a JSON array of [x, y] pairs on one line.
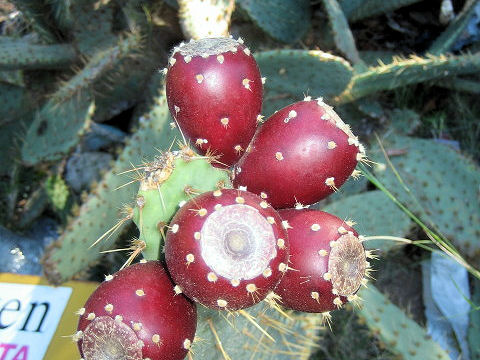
[[226, 249], [214, 91], [136, 315], [303, 153], [328, 262]]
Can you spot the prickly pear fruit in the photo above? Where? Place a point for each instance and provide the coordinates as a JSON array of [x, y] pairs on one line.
[[135, 314], [302, 154], [327, 259], [214, 91], [226, 249]]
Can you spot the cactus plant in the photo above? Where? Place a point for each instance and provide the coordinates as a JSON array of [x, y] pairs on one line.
[[445, 41], [20, 54], [341, 31], [292, 74], [71, 252], [440, 186], [50, 136], [167, 182], [403, 72], [237, 337], [37, 14], [99, 77], [400, 333], [286, 21]]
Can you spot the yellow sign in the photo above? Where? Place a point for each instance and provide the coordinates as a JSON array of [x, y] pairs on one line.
[[37, 319]]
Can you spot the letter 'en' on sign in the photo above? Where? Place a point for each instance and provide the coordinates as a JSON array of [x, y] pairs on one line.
[[29, 316]]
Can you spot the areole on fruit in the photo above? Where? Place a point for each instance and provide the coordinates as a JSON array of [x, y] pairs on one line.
[[136, 315], [226, 249], [328, 261], [302, 154], [214, 91]]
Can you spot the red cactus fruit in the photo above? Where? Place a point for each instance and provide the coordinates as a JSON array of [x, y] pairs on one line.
[[301, 154], [214, 91], [226, 249], [327, 259], [135, 314]]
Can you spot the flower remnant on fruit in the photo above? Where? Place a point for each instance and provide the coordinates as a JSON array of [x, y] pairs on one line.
[[329, 260], [135, 315]]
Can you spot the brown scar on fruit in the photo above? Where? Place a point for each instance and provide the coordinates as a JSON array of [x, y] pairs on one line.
[[347, 264], [107, 338]]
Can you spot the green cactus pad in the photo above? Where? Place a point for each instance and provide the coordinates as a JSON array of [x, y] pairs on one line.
[[160, 197], [405, 121], [459, 84], [402, 72], [15, 101], [11, 139], [20, 54], [62, 14], [57, 129], [395, 329], [61, 122], [37, 13], [454, 30], [443, 184], [13, 77], [474, 324], [286, 20], [71, 254], [295, 338], [99, 65], [342, 34], [380, 57], [375, 214], [371, 108], [293, 74], [130, 79], [130, 76], [92, 25]]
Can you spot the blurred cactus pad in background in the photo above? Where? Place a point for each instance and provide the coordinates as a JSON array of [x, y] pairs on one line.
[[83, 105]]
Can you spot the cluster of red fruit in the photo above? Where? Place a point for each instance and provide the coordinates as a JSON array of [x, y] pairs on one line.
[[231, 248]]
